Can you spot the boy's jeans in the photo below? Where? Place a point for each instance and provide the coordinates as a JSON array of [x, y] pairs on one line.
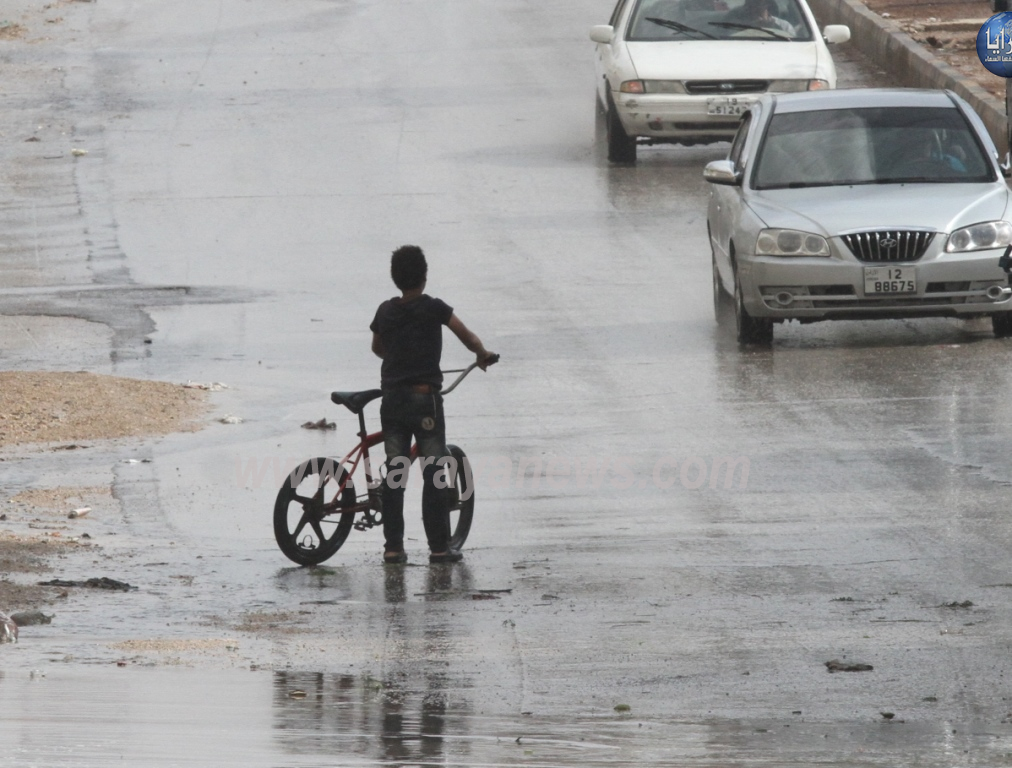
[[406, 413]]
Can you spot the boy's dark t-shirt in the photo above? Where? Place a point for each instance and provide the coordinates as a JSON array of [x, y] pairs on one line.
[[412, 336]]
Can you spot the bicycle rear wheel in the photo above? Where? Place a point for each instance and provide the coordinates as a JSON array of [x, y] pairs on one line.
[[461, 500], [307, 525]]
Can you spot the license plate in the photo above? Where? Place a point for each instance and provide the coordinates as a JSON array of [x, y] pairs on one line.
[[727, 105], [889, 280]]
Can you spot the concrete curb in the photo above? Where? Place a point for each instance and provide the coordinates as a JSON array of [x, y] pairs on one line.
[[882, 41]]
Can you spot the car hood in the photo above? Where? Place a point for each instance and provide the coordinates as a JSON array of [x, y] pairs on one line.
[[833, 210], [723, 60]]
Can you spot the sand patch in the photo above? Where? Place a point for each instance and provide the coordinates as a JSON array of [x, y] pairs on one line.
[[45, 407], [63, 498], [177, 645], [10, 31]]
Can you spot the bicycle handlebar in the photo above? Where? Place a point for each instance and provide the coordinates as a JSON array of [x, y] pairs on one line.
[[492, 360]]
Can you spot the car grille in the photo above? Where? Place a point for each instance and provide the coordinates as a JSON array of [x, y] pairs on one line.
[[725, 87], [889, 245]]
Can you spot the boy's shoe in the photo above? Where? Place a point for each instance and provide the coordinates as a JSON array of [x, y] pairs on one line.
[[395, 558], [450, 556]]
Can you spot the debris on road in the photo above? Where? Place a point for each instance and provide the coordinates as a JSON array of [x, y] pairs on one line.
[[838, 666], [80, 512], [964, 604], [96, 583], [321, 424], [230, 419], [8, 629], [31, 618], [214, 386]]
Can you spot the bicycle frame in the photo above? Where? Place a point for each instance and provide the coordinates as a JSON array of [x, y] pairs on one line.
[[350, 462], [360, 453]]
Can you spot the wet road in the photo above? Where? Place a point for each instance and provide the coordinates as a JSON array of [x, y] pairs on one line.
[[250, 167]]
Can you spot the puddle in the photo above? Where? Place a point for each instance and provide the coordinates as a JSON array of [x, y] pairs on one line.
[[173, 717]]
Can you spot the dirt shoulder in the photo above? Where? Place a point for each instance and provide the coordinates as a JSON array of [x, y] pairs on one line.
[[52, 418], [44, 407], [949, 31], [63, 411]]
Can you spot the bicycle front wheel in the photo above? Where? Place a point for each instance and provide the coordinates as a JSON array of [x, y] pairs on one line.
[[461, 500], [308, 525]]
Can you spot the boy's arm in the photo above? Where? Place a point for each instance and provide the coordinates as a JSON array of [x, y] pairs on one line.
[[469, 340], [377, 346]]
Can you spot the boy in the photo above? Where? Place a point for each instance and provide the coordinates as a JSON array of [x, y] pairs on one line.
[[407, 333]]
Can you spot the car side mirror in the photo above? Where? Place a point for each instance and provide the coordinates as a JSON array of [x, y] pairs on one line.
[[602, 33], [722, 172], [836, 33], [1006, 165]]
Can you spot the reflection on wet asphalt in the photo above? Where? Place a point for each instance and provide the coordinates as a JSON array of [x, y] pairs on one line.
[[173, 717]]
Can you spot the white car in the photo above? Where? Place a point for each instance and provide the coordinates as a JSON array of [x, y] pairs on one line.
[[684, 71], [859, 204]]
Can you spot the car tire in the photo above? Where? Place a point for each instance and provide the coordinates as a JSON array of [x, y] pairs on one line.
[[1001, 324], [621, 146], [721, 300], [753, 331]]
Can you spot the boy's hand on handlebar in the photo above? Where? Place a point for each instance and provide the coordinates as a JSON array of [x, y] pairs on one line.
[[486, 358]]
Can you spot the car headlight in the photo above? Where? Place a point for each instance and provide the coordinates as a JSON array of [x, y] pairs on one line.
[[664, 86], [793, 86], [652, 86], [790, 242], [980, 237]]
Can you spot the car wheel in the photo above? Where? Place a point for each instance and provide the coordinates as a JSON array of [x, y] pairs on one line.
[[1001, 323], [751, 330], [721, 301], [621, 146]]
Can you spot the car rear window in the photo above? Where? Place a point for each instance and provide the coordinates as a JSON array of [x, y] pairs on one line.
[[880, 145]]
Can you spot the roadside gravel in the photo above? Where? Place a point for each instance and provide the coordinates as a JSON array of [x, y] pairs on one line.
[[45, 407], [947, 29]]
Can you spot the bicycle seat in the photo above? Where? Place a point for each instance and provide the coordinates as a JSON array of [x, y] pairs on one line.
[[356, 401]]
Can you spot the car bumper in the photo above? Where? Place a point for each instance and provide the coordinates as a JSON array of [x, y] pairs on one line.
[[829, 288], [669, 116]]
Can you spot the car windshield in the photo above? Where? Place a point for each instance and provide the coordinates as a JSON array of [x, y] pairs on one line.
[[770, 20], [881, 145]]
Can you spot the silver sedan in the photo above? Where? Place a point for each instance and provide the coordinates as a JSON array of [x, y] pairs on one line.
[[857, 204]]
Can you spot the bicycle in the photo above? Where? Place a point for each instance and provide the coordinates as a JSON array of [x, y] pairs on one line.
[[320, 494]]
